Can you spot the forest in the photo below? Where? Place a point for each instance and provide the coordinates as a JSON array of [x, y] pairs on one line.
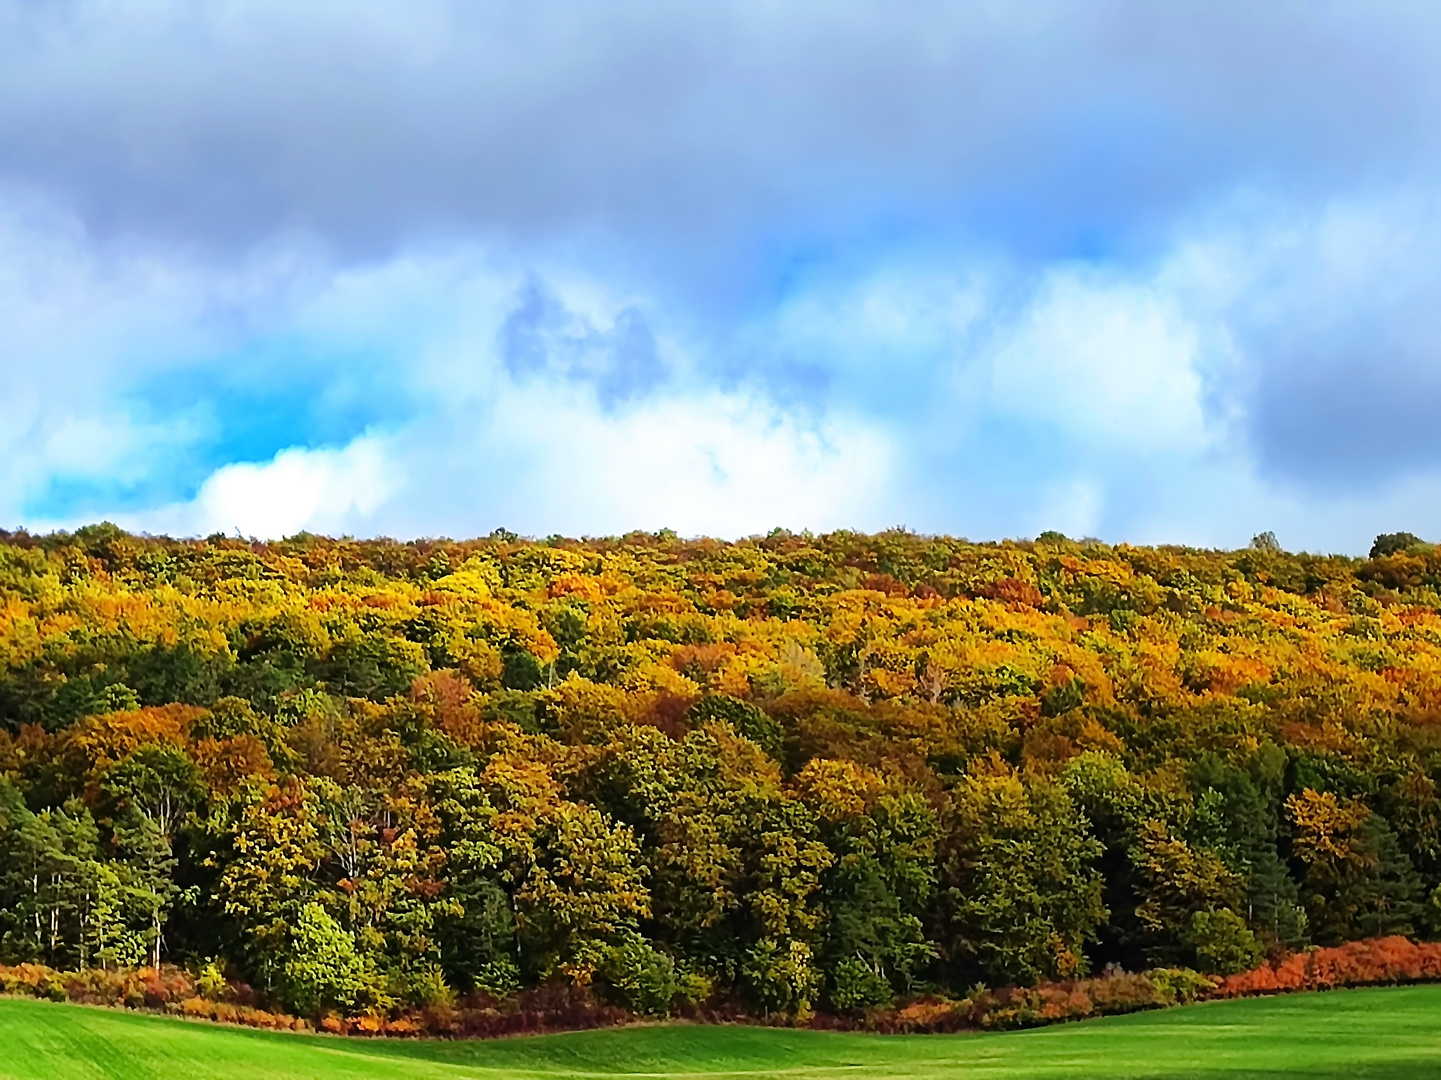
[[787, 775]]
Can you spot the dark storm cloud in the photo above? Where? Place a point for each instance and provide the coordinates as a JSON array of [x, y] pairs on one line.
[[1334, 313], [1352, 405], [656, 122]]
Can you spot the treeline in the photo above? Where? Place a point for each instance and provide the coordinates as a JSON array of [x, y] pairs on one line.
[[781, 775]]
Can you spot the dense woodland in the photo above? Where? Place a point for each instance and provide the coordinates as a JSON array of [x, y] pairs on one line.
[[793, 773]]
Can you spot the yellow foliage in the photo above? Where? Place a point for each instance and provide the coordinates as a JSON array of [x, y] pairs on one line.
[[838, 789]]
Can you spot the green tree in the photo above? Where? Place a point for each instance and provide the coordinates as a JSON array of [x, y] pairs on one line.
[[744, 718], [1237, 817], [146, 868], [583, 887], [475, 926], [1221, 942], [638, 975], [1390, 543], [877, 892], [60, 903], [322, 969], [1023, 896], [268, 850], [1116, 805], [1179, 881]]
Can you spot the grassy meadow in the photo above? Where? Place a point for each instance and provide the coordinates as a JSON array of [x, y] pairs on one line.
[[1385, 1034]]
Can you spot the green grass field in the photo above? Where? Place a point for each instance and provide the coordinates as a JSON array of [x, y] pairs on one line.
[[1381, 1033]]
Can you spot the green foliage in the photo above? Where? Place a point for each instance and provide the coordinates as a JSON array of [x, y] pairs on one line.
[[579, 888], [1391, 543], [745, 718], [1178, 986], [211, 983], [1222, 942], [61, 902], [117, 697], [1358, 882], [878, 892], [639, 976], [1266, 541], [1180, 882], [1024, 897], [781, 977], [856, 985], [475, 929], [322, 969]]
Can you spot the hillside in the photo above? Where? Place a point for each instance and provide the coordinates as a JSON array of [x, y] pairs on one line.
[[782, 775]]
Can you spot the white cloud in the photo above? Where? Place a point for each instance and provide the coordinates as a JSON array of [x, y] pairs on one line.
[[550, 460], [1072, 506], [321, 490], [77, 329], [1113, 363], [714, 463], [959, 396], [478, 449]]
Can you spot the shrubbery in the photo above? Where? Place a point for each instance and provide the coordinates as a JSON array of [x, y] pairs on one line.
[[650, 984]]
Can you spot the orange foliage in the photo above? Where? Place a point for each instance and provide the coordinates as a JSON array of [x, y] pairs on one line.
[[95, 743], [1357, 963], [228, 763]]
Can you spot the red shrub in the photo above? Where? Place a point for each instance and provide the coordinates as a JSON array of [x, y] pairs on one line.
[[1357, 963]]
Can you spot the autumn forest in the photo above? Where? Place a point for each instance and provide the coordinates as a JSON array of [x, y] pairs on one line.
[[785, 776]]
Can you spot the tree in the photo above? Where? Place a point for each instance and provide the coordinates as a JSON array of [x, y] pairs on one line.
[[1222, 942], [475, 927], [791, 770], [147, 871], [638, 975], [153, 788], [781, 977], [1358, 882], [1023, 896], [877, 893], [269, 851], [322, 969], [1236, 817], [743, 717], [1188, 907], [1390, 543], [60, 904], [782, 902], [1117, 806], [584, 886], [1266, 541]]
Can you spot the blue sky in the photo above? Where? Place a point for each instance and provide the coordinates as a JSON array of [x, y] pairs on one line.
[[1158, 272]]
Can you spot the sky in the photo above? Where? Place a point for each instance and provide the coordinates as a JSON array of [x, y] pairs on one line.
[[1148, 272]]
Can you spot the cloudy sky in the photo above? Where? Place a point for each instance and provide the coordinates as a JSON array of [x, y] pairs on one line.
[[1153, 272]]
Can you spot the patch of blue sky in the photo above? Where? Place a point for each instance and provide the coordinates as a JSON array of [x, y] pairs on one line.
[[73, 498], [304, 390], [246, 406]]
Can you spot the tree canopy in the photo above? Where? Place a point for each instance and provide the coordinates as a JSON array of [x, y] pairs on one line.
[[793, 772]]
